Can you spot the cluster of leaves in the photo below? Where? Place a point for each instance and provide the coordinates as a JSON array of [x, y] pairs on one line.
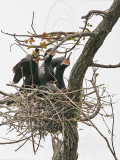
[[36, 56], [45, 38], [49, 38]]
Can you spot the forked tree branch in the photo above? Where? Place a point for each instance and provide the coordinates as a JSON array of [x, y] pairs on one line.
[[94, 12]]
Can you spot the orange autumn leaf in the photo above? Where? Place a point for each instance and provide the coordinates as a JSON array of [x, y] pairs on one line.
[[26, 41], [83, 38], [31, 38], [44, 34], [58, 35], [43, 44], [48, 39]]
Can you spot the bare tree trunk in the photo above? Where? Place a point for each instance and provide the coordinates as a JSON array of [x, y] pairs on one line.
[[67, 149]]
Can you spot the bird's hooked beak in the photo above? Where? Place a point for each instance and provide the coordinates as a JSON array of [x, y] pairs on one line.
[[66, 61]]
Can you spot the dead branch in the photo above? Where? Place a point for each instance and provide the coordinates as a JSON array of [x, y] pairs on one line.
[[32, 24], [105, 138], [105, 66], [94, 12]]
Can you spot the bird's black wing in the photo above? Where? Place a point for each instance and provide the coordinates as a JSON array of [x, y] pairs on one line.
[[23, 68]]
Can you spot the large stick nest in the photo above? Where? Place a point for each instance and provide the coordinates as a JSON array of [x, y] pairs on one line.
[[35, 112]]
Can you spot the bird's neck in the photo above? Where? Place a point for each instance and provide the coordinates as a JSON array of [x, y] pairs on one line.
[[59, 78], [49, 72], [34, 73]]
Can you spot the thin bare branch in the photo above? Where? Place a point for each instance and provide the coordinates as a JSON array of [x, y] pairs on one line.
[[5, 94], [32, 24], [105, 138], [79, 35], [105, 66]]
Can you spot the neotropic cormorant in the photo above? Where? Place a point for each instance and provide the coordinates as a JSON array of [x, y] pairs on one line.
[[50, 64], [28, 68], [46, 71], [60, 71], [33, 74], [49, 70]]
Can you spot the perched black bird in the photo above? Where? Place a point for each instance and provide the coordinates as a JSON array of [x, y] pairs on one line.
[[61, 63], [46, 71], [28, 68], [33, 74], [60, 72], [48, 66], [49, 70]]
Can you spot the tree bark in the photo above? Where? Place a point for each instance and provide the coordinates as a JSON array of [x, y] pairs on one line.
[[69, 152], [67, 149]]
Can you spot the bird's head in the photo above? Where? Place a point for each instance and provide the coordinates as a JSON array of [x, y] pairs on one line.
[[66, 61], [48, 53]]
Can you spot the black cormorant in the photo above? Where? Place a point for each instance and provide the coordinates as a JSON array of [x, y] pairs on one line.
[[28, 68], [49, 65], [60, 71], [49, 70], [46, 70], [33, 74]]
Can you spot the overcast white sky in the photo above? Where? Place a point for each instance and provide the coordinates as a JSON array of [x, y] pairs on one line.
[[57, 15]]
